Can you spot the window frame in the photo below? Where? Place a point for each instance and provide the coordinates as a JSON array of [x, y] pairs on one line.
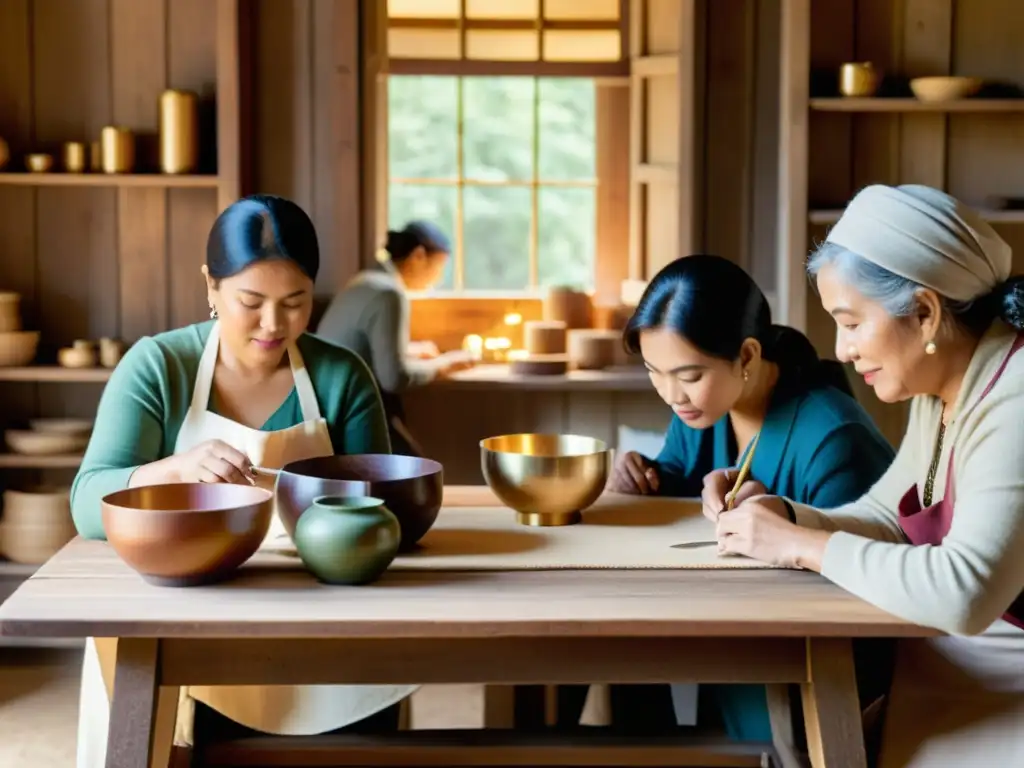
[[460, 181]]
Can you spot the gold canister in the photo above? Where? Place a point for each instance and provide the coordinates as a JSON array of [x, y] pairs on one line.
[[859, 79], [74, 157], [179, 131], [117, 150]]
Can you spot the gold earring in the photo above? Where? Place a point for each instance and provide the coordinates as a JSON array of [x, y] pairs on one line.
[[213, 311], [746, 375], [929, 348]]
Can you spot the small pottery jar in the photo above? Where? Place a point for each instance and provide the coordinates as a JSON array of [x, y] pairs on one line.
[[347, 539]]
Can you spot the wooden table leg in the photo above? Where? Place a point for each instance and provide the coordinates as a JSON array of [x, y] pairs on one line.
[[133, 711], [835, 736]]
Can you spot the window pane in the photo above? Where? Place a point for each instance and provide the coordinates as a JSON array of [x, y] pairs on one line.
[[498, 128], [434, 203], [568, 236], [502, 45], [574, 10], [582, 45], [497, 238], [428, 9], [568, 144], [502, 9], [424, 43], [422, 127]]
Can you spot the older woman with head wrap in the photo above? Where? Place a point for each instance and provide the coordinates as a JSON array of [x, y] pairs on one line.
[[920, 288]]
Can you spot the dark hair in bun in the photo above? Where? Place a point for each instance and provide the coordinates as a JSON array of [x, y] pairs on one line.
[[401, 243]]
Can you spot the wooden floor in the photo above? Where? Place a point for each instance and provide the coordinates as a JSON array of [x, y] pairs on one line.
[[38, 707]]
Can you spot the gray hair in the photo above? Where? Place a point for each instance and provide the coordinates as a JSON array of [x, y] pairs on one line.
[[897, 295]]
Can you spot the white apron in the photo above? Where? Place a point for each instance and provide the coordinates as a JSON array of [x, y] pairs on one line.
[[287, 710]]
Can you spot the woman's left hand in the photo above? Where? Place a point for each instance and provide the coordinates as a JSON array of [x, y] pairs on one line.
[[759, 528]]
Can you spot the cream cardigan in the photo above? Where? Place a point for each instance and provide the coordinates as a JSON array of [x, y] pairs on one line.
[[964, 585]]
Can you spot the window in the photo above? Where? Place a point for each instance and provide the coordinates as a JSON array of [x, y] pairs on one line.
[[506, 165], [552, 31]]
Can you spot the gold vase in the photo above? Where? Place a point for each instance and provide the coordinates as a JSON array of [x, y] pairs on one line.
[[74, 157], [179, 131], [117, 150]]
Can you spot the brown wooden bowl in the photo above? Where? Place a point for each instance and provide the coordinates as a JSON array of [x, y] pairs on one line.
[[187, 534], [411, 487]]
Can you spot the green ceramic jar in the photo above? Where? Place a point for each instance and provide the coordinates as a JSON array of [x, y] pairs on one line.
[[347, 539]]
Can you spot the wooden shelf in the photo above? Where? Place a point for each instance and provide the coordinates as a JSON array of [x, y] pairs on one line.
[[21, 461], [59, 179], [18, 570], [56, 373], [831, 216], [855, 104]]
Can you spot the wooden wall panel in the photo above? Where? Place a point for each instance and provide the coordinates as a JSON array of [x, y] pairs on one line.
[[728, 129], [139, 73]]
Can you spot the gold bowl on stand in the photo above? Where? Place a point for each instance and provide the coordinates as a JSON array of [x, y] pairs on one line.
[[547, 479]]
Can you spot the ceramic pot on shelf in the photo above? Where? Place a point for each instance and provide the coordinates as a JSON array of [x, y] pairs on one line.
[[347, 540]]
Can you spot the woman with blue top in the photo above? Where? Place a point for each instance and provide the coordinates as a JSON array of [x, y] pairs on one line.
[[208, 402], [705, 333]]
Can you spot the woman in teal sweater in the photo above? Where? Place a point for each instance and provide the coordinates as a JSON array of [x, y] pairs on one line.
[[704, 330], [208, 402]]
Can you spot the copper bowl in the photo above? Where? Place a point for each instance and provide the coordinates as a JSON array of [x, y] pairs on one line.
[[411, 487], [547, 479], [187, 534]]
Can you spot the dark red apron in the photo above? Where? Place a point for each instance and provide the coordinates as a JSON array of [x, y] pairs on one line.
[[930, 525]]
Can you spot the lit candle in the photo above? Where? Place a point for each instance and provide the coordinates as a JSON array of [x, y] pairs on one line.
[[474, 345]]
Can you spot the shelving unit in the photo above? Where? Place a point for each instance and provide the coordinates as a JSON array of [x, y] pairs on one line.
[[96, 254], [162, 181], [830, 147], [56, 374]]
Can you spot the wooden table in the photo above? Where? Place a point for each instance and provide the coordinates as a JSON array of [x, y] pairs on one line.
[[276, 625]]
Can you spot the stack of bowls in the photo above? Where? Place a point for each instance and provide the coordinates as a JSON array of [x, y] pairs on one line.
[[36, 523], [17, 347]]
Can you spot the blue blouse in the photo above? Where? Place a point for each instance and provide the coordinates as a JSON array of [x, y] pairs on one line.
[[817, 446]]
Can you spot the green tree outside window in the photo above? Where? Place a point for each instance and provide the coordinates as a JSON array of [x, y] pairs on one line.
[[507, 166]]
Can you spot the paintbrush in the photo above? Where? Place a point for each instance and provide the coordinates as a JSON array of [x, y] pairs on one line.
[[741, 478]]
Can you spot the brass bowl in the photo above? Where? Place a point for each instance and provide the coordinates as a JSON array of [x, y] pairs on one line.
[[39, 162], [859, 79], [187, 534], [546, 479]]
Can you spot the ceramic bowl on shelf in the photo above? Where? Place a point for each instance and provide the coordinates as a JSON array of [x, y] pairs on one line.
[[945, 88], [62, 426], [39, 162], [411, 487], [77, 357], [29, 442], [187, 534], [548, 479], [18, 348]]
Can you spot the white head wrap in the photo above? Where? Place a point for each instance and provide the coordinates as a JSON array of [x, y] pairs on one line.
[[927, 236]]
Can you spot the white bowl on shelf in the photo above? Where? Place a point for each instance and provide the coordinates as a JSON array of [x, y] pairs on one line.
[[28, 442], [61, 426]]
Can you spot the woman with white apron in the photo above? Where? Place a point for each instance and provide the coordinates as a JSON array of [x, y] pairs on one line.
[[207, 403], [927, 306]]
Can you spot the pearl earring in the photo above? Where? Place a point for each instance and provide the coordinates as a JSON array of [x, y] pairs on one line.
[[746, 375], [213, 311], [929, 348]]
